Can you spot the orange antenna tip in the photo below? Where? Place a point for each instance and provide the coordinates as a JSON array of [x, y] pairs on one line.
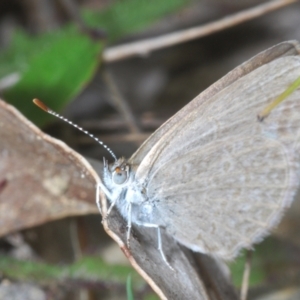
[[41, 105], [44, 107]]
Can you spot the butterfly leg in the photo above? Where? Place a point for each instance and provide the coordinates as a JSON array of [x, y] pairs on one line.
[[159, 243], [98, 198], [111, 206], [101, 186], [128, 208]]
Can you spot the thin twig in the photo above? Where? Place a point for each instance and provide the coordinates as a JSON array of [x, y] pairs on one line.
[[137, 138], [246, 275], [120, 103], [117, 124], [146, 46]]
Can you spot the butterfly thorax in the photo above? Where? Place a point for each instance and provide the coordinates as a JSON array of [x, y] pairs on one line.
[[125, 192]]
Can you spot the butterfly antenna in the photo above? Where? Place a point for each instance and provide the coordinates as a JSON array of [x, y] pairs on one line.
[[44, 107]]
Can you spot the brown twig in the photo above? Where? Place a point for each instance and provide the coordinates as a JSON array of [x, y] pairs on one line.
[[117, 124], [246, 276], [137, 138], [146, 46], [120, 103]]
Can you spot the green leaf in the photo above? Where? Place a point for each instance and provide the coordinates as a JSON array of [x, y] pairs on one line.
[[64, 64]]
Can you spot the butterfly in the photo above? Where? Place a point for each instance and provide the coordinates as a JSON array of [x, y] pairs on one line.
[[213, 176]]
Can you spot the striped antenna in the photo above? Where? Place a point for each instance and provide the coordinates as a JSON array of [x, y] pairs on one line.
[[44, 107]]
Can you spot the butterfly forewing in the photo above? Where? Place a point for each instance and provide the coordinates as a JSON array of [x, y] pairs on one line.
[[289, 48], [220, 179]]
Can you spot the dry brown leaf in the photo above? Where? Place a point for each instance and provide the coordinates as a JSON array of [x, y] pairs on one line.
[[41, 178]]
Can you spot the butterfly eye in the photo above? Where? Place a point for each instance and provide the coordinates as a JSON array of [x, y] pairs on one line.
[[120, 175]]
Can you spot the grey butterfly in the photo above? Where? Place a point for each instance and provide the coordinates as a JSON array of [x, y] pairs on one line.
[[213, 176]]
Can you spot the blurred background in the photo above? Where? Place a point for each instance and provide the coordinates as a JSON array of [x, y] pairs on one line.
[[62, 52]]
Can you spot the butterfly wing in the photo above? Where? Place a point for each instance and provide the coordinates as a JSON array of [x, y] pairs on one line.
[[289, 48], [220, 179]]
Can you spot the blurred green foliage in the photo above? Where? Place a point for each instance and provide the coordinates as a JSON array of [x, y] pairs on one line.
[[125, 17], [86, 270], [57, 65], [129, 290], [270, 259], [56, 74]]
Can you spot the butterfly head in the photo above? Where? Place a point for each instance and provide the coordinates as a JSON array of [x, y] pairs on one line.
[[119, 172]]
